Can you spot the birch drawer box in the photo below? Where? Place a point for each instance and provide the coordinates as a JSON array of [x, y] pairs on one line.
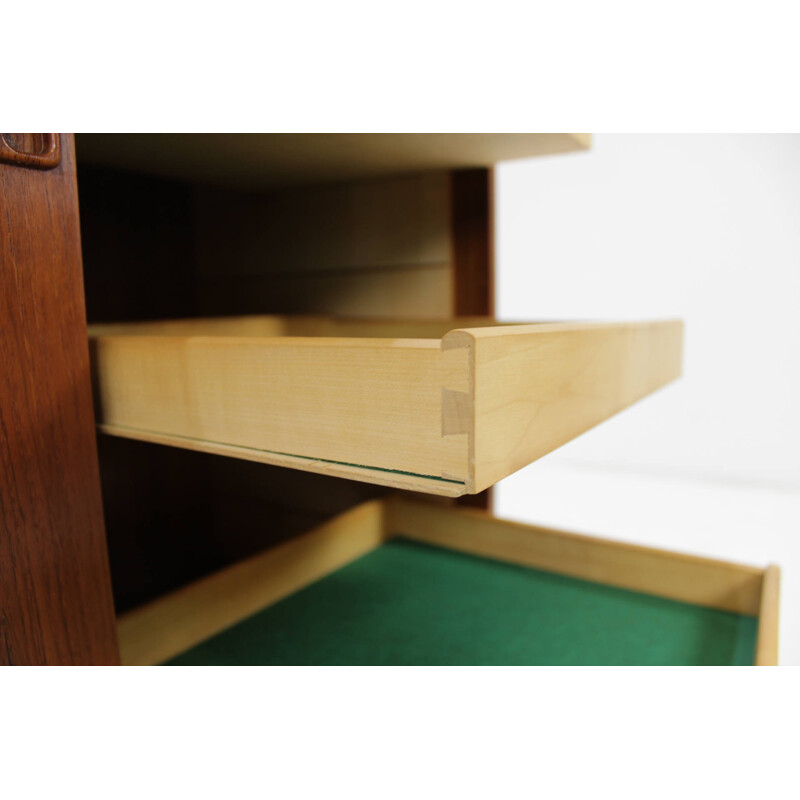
[[446, 408], [399, 581]]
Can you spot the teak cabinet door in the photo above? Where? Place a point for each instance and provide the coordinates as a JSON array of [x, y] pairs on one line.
[[56, 605]]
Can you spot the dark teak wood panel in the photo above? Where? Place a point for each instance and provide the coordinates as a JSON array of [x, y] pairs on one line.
[[472, 231], [55, 590], [37, 150]]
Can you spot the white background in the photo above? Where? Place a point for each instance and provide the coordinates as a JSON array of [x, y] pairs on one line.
[[701, 227], [430, 732]]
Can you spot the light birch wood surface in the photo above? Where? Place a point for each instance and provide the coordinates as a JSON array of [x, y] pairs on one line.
[[259, 160], [536, 387], [434, 411], [767, 644]]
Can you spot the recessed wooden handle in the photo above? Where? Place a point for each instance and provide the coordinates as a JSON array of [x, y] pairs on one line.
[[37, 150]]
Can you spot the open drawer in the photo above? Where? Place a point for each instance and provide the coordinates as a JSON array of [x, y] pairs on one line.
[[401, 581], [446, 407]]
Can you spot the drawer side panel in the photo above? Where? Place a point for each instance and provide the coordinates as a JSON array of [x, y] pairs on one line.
[[373, 404]]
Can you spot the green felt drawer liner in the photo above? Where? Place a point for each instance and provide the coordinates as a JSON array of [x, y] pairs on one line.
[[408, 603]]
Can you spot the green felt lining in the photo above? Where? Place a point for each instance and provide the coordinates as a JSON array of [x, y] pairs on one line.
[[407, 603]]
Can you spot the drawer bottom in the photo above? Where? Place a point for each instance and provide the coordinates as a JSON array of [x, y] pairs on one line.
[[408, 603]]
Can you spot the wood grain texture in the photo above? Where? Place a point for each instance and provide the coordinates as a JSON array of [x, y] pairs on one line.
[[166, 627], [259, 160], [449, 415], [536, 387], [369, 405], [690, 579], [768, 616], [55, 590], [34, 150]]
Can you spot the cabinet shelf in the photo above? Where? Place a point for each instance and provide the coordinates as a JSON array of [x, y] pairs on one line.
[[406, 582], [261, 160], [446, 408]]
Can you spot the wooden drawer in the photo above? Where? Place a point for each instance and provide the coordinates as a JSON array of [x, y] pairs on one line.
[[447, 408], [407, 582]]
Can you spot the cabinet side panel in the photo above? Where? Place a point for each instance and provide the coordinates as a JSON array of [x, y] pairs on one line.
[[55, 590]]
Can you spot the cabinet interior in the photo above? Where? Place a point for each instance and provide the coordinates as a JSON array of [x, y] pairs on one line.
[[156, 248]]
